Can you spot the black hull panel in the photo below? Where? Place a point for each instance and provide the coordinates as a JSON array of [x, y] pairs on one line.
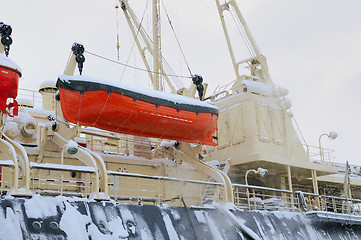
[[71, 218]]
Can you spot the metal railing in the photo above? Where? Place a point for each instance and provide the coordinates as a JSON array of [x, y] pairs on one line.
[[34, 97], [315, 155], [159, 189], [102, 141], [263, 198], [51, 179], [221, 92], [54, 179], [6, 181], [67, 180]]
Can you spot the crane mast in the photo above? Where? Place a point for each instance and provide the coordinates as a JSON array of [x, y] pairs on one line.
[[156, 45], [257, 63], [152, 47]]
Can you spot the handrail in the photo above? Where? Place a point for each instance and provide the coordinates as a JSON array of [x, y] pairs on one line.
[[5, 146], [24, 162], [163, 178], [58, 167], [294, 192], [262, 188], [314, 154], [207, 169], [327, 201], [85, 157], [319, 202]]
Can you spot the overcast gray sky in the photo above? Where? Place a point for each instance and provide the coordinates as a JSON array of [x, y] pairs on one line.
[[313, 48]]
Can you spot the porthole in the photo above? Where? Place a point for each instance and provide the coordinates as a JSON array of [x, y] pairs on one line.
[[54, 225], [130, 224], [102, 225], [73, 174], [182, 227], [36, 225]]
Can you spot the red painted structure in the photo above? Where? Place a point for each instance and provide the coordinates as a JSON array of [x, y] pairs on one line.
[[9, 82], [149, 114]]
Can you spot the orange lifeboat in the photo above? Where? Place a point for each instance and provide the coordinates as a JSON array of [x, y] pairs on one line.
[[9, 82], [137, 111]]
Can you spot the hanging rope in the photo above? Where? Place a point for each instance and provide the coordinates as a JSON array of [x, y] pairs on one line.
[[126, 65]]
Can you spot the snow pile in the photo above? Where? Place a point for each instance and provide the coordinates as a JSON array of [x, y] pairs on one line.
[[79, 226], [13, 224], [273, 204], [40, 207], [7, 62], [76, 218], [258, 87], [145, 91]]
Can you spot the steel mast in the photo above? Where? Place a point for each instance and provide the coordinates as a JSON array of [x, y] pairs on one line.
[[257, 63], [156, 45], [150, 46]]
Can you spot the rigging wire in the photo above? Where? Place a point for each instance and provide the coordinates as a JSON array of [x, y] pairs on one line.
[[175, 35], [67, 62], [211, 9], [168, 69], [126, 65], [298, 127], [132, 48], [241, 31]]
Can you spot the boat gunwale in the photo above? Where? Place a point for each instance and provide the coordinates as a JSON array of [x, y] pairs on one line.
[[84, 86], [11, 69]]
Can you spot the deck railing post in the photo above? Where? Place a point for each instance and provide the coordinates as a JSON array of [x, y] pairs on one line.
[[138, 190], [158, 191], [249, 204], [254, 199], [237, 194], [180, 192]]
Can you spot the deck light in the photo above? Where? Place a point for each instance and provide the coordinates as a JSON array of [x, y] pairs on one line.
[[331, 135], [260, 171], [71, 147]]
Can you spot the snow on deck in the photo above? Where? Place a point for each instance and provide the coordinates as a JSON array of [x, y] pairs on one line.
[[75, 218]]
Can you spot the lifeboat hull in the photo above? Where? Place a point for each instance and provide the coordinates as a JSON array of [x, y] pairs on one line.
[[9, 82], [118, 109]]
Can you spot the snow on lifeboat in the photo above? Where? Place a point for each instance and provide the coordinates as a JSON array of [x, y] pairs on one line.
[[137, 111], [9, 82]]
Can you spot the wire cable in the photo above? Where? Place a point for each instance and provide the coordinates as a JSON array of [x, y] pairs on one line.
[[243, 34], [175, 35], [298, 127], [132, 48], [126, 65]]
